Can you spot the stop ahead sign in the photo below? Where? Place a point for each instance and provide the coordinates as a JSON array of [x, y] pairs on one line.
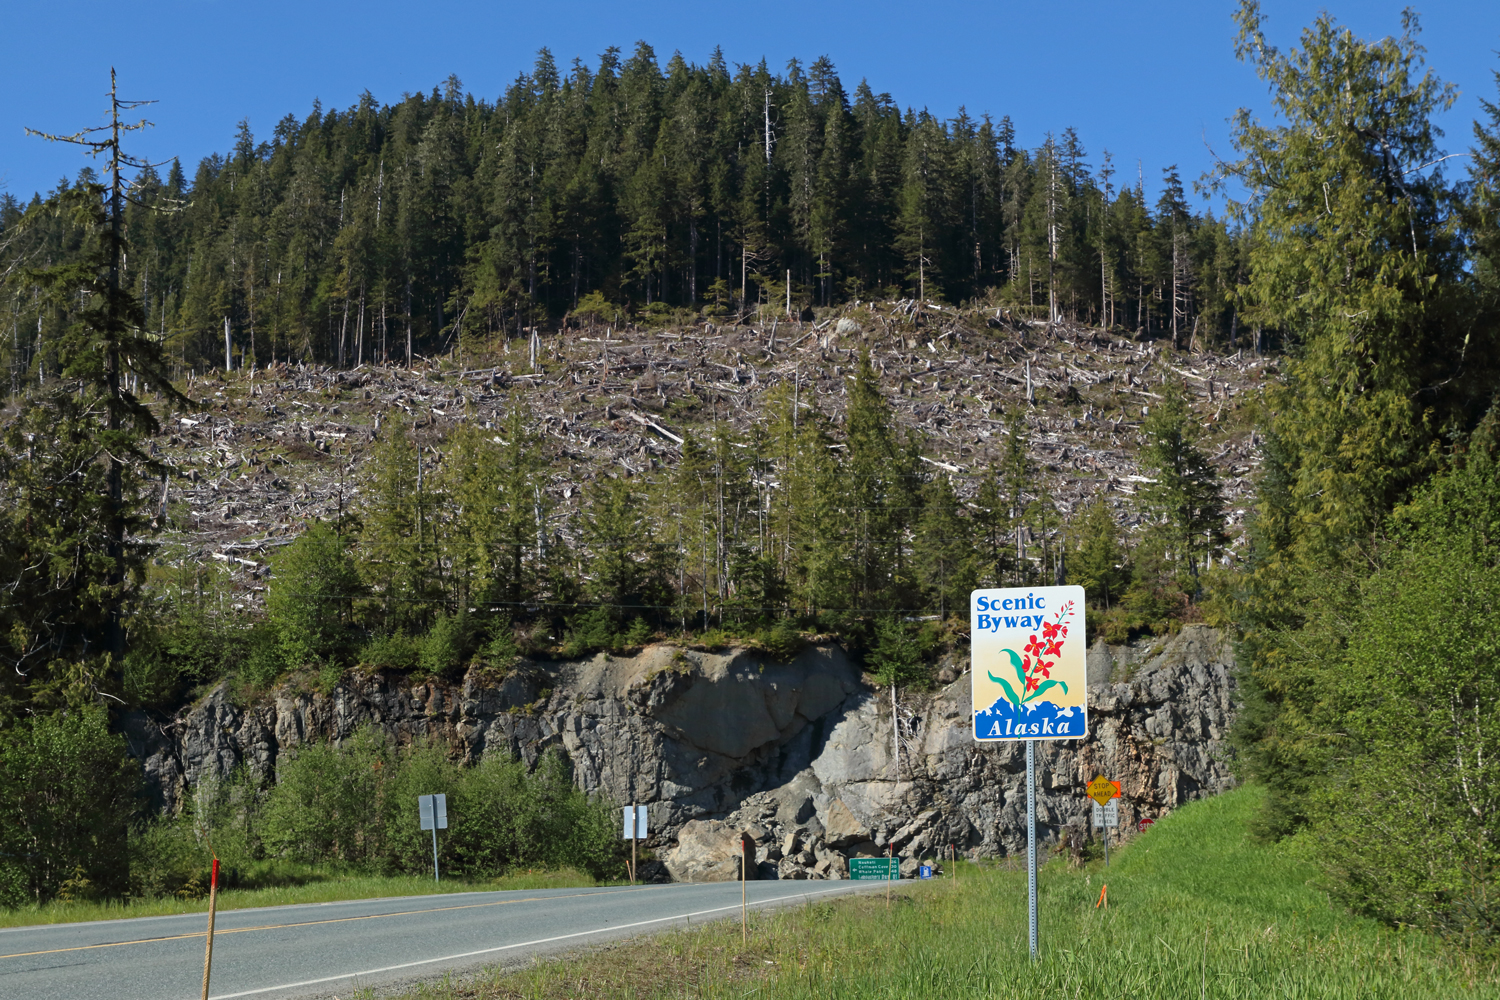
[[1101, 790]]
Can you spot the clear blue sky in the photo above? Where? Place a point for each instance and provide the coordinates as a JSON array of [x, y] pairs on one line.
[[1152, 82]]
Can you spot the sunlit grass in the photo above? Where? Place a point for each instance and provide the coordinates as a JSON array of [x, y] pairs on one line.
[[1196, 910], [327, 890]]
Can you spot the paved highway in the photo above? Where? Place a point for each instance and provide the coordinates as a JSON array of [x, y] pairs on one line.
[[325, 949]]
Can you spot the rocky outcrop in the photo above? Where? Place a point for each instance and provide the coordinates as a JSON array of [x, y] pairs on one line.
[[804, 756]]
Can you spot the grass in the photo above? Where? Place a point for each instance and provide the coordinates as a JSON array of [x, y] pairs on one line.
[[1196, 910], [330, 890]]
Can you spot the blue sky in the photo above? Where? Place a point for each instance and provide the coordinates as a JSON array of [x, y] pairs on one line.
[[1151, 82]]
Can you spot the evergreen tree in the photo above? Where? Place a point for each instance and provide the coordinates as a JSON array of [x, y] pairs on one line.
[[1184, 497]]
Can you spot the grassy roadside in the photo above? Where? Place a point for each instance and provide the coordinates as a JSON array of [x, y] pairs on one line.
[[332, 890], [1197, 910]]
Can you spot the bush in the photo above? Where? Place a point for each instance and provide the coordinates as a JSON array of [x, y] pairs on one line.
[[67, 793], [355, 806], [1411, 733], [589, 633], [900, 653], [309, 600], [392, 652], [448, 645]]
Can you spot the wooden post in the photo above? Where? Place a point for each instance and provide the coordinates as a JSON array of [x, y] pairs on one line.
[[888, 856], [213, 900]]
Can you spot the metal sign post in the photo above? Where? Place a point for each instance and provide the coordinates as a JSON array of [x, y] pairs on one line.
[[1031, 842], [1106, 818], [1028, 681], [1106, 810], [433, 810]]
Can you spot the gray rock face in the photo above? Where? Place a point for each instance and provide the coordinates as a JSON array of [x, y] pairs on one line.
[[802, 755]]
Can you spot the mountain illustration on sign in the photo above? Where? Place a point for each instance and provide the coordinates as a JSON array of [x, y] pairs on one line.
[[1019, 712]]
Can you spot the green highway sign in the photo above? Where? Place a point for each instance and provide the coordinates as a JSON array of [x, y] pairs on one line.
[[874, 869]]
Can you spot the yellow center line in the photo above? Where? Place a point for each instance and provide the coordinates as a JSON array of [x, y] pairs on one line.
[[311, 923]]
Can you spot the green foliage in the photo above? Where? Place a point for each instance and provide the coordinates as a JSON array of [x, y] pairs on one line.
[[448, 644], [395, 555], [396, 651], [309, 604], [1391, 735], [597, 630], [1097, 561], [355, 805], [67, 796], [899, 653], [1184, 499], [1356, 253]]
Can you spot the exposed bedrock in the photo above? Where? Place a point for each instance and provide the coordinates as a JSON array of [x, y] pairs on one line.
[[801, 756]]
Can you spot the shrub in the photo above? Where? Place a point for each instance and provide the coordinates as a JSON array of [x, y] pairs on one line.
[[309, 601], [67, 793], [392, 652], [447, 645]]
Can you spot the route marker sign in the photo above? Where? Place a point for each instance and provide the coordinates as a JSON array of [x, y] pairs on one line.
[[1028, 680], [1101, 790], [635, 823], [874, 869], [635, 829], [433, 811]]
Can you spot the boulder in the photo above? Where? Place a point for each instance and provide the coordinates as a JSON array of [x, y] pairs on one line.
[[706, 851], [841, 828]]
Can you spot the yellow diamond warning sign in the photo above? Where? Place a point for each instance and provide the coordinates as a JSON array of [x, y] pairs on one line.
[[1101, 790]]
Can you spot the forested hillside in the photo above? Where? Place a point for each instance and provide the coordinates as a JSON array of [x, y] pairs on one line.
[[730, 357], [379, 231]]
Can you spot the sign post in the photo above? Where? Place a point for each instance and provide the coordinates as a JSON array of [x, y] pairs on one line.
[[1106, 810], [635, 829], [1028, 682], [434, 812]]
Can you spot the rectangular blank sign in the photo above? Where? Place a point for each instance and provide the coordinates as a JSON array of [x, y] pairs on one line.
[[434, 811], [635, 822]]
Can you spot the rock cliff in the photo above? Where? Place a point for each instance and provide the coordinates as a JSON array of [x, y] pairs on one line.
[[801, 756]]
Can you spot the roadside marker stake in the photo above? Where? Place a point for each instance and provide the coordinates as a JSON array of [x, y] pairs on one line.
[[213, 901], [1103, 897]]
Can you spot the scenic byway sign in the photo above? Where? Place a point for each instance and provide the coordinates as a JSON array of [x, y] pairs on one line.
[[1029, 674]]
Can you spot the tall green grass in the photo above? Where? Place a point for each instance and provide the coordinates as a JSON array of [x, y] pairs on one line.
[[1196, 910]]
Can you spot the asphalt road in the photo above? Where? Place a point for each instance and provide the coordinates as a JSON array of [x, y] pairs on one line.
[[324, 949]]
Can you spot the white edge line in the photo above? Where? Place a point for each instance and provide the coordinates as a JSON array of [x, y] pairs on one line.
[[519, 944]]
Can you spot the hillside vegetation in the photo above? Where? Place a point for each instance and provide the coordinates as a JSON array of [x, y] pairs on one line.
[[942, 361]]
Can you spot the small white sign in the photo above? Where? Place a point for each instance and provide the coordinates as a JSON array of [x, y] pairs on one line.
[[1107, 816], [434, 811], [635, 822]]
